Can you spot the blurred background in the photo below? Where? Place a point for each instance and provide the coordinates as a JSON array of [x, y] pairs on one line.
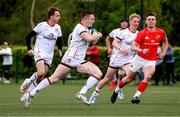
[[18, 17]]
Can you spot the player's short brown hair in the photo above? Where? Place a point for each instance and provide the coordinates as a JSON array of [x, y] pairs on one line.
[[86, 13], [52, 10], [151, 13]]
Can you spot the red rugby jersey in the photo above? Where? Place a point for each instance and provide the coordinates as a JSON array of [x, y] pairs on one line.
[[150, 40]]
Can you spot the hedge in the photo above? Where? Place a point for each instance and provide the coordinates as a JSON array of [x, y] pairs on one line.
[[20, 71]]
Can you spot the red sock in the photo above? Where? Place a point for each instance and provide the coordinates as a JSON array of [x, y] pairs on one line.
[[112, 85], [142, 86], [122, 83]]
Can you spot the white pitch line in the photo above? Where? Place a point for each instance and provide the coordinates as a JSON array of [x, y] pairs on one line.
[[9, 104], [164, 92]]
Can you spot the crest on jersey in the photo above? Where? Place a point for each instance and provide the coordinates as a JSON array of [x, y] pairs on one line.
[[158, 37], [146, 37], [56, 30], [69, 60], [152, 41]]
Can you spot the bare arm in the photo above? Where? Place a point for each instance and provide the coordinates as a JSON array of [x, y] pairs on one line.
[[108, 45], [165, 47], [135, 47], [86, 36], [69, 39], [116, 42], [108, 42]]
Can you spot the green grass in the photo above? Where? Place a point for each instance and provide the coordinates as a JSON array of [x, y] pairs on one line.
[[58, 100]]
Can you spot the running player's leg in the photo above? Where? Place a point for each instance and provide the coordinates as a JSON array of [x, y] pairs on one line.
[[148, 73], [113, 82], [118, 91], [36, 82], [95, 75], [136, 64], [41, 72], [60, 71], [110, 72], [128, 78]]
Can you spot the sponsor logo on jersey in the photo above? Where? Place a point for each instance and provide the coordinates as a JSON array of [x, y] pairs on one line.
[[146, 37], [69, 60], [56, 30], [50, 37], [129, 42], [158, 37]]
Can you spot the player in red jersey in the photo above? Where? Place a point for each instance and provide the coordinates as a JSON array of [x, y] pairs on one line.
[[146, 44]]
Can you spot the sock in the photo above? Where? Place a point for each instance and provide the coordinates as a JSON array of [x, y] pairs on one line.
[[33, 77], [137, 94], [122, 83], [117, 87], [43, 84], [141, 87], [96, 92], [32, 86], [91, 81]]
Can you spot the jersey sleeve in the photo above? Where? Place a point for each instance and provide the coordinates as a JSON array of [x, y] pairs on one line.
[[28, 39], [60, 32], [120, 35], [139, 37], [59, 43], [111, 34], [39, 28], [81, 29]]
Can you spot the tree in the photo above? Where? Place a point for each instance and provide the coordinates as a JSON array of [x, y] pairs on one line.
[[18, 17]]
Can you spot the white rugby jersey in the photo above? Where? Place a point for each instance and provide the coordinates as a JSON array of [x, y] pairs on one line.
[[7, 56], [78, 46], [127, 37], [114, 32], [46, 39]]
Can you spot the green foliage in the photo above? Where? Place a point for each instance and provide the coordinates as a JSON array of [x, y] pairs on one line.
[[15, 20], [7, 7], [177, 61], [19, 71]]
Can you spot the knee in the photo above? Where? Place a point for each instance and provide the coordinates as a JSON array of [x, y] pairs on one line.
[[41, 74], [147, 78], [98, 75]]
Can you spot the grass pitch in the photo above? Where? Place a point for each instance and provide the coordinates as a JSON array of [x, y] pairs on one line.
[[59, 100]]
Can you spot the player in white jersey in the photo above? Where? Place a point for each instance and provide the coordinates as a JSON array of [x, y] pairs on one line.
[[74, 58], [123, 25], [121, 54], [47, 35]]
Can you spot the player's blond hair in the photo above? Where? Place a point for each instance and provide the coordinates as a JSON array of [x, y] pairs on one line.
[[134, 15]]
